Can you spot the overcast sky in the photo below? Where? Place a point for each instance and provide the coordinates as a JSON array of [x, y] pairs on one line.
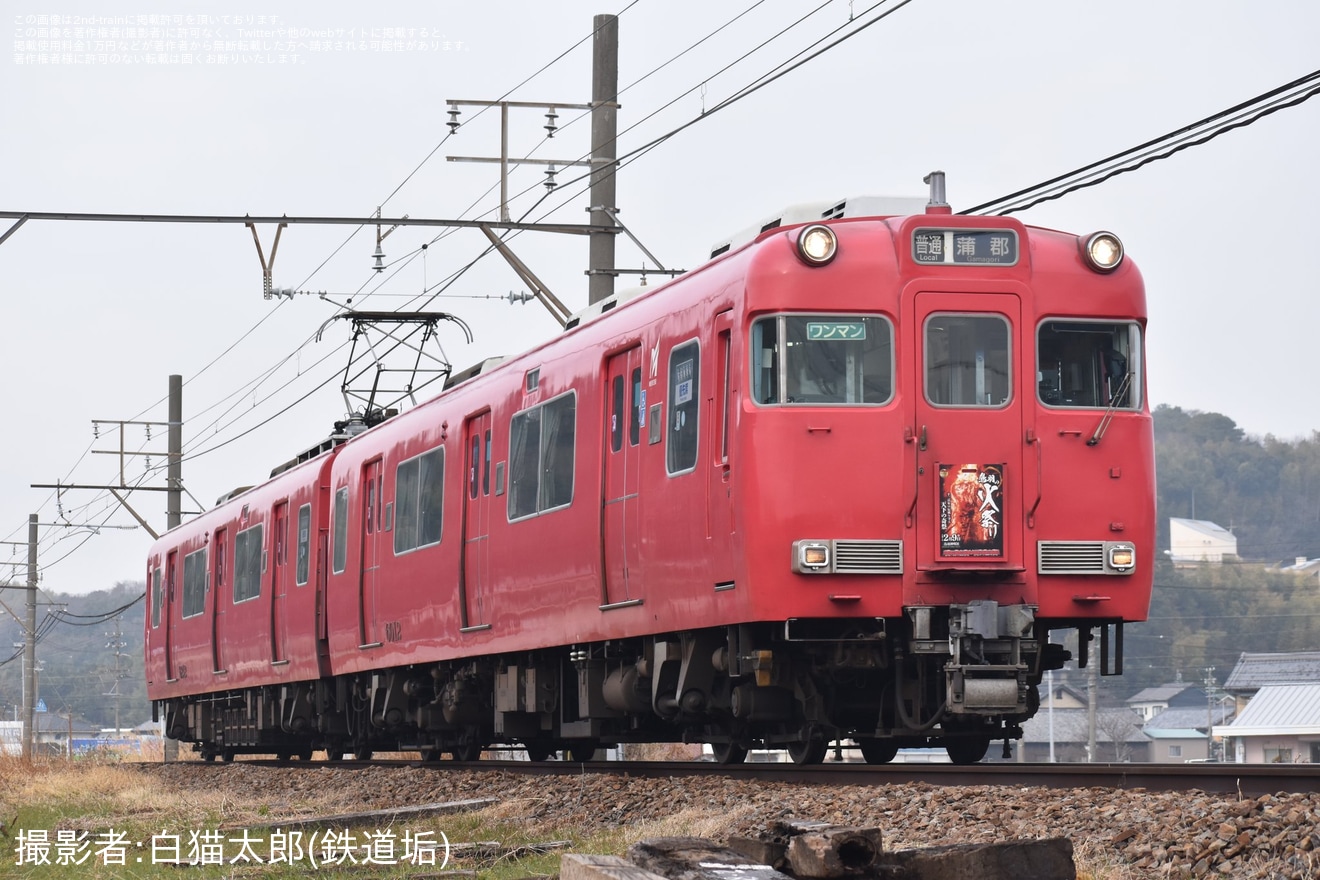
[[205, 109]]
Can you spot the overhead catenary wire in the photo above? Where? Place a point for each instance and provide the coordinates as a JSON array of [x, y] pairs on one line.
[[1200, 132]]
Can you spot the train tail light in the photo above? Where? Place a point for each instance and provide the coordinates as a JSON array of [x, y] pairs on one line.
[[1103, 251], [817, 245], [811, 557]]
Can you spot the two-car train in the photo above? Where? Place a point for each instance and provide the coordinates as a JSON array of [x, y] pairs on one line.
[[843, 480]]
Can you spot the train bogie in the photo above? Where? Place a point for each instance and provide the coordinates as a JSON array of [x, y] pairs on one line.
[[842, 481]]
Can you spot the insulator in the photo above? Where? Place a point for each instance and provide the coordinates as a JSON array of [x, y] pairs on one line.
[[380, 259], [550, 127], [453, 122], [550, 183]]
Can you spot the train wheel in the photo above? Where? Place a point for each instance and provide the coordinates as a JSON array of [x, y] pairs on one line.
[[808, 751], [333, 753], [468, 751], [581, 752], [878, 751], [967, 750], [728, 753], [227, 756], [283, 756], [362, 753], [208, 757], [305, 754], [537, 751], [431, 755]]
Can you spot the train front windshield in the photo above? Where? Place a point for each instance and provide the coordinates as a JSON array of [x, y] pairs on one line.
[[840, 360], [1089, 364]]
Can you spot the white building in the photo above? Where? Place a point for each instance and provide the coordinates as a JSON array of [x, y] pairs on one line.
[[1198, 540]]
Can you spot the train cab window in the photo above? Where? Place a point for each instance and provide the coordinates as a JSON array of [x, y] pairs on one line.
[[420, 490], [157, 596], [1089, 364], [194, 583], [304, 545], [684, 405], [340, 559], [835, 360], [967, 360], [248, 548], [542, 442]]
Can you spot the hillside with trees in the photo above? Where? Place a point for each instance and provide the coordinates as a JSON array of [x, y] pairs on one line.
[[89, 658]]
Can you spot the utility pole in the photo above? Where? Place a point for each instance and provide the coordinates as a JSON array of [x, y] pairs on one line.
[[30, 642], [604, 150], [1092, 699], [173, 498], [117, 644]]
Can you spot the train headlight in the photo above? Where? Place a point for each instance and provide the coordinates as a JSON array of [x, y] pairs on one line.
[[1103, 251], [817, 245], [1122, 557], [811, 557]]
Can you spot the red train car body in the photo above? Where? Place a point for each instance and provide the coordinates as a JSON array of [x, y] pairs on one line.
[[841, 481]]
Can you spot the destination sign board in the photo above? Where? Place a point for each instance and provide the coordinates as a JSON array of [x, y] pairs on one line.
[[965, 247]]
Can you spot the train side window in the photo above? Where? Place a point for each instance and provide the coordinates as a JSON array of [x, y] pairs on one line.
[[304, 545], [420, 485], [637, 418], [1089, 364], [616, 414], [157, 596], [248, 564], [834, 360], [541, 453], [524, 462], [485, 469], [684, 408], [474, 466], [194, 583], [558, 441], [340, 560], [967, 360]]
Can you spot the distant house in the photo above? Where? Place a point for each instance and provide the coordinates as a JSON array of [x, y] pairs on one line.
[[52, 734], [1184, 734], [1151, 701], [1302, 565], [1256, 671], [1118, 736], [1065, 696], [1280, 725], [1198, 540]]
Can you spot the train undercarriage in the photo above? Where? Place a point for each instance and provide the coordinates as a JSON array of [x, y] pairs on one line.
[[957, 676]]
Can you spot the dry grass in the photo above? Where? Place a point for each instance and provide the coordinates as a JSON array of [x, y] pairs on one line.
[[90, 796]]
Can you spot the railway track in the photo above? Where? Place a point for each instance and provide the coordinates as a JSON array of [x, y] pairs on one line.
[[1242, 780]]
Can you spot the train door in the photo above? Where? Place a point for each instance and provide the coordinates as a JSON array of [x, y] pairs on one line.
[[719, 520], [969, 432], [171, 597], [621, 532], [475, 576], [219, 550], [279, 582], [372, 550]]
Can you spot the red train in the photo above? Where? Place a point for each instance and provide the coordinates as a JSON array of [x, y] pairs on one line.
[[842, 480]]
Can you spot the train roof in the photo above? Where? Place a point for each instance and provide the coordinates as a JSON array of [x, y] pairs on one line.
[[807, 212]]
